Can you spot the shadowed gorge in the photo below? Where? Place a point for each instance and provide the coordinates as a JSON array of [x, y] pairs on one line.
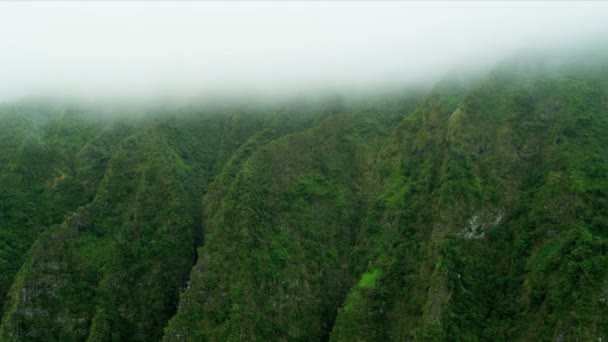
[[476, 210]]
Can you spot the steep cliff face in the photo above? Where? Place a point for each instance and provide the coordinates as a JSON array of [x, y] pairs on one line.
[[475, 212], [52, 160], [492, 220], [115, 215], [284, 230]]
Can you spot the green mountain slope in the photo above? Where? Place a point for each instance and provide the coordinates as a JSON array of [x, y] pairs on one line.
[[492, 224], [478, 211]]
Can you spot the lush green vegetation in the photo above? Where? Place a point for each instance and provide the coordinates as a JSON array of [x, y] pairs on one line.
[[477, 211]]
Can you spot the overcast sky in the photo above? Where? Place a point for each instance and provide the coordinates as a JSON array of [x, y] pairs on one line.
[[126, 48]]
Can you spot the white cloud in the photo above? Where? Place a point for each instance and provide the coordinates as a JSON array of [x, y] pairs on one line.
[[150, 47]]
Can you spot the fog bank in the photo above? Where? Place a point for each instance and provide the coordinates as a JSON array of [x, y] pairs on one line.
[[132, 49]]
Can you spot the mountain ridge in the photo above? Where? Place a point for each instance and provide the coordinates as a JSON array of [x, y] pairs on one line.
[[475, 211]]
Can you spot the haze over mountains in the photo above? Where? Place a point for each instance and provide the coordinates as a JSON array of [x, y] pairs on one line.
[[164, 49], [304, 171]]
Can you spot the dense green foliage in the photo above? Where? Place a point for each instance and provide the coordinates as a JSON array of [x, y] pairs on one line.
[[478, 211]]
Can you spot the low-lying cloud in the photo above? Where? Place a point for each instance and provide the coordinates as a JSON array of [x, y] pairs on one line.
[[190, 48]]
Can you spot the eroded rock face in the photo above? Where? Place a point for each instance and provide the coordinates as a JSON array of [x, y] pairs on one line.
[[480, 223]]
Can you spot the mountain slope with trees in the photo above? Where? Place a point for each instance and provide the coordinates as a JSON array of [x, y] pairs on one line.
[[475, 211]]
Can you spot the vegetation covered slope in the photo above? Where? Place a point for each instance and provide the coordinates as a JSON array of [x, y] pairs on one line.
[[492, 221], [474, 212]]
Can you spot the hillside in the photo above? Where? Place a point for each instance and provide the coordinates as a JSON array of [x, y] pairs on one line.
[[475, 211]]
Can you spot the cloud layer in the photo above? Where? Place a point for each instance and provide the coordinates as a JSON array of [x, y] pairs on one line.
[[135, 48]]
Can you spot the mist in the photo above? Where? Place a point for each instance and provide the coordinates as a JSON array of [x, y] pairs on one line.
[[172, 49]]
